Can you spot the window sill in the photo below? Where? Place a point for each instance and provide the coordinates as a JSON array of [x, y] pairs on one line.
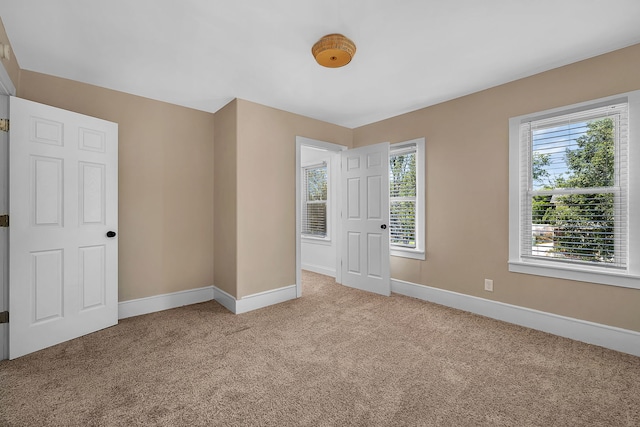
[[407, 253], [316, 240], [591, 275]]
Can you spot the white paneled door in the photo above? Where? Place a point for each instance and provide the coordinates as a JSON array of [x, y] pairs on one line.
[[63, 205], [365, 218]]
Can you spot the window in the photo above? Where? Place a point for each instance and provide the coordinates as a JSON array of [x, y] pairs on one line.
[[569, 188], [314, 199], [406, 199]]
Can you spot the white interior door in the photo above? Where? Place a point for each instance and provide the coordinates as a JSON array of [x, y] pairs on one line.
[[365, 218], [63, 201]]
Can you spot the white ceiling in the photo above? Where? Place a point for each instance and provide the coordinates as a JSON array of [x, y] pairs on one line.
[[410, 53]]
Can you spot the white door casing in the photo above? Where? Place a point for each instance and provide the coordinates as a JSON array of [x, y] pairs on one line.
[[63, 199], [7, 88], [365, 218], [4, 231]]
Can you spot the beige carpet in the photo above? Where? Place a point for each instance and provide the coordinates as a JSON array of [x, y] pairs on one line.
[[336, 356]]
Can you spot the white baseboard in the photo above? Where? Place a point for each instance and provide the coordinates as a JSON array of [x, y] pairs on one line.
[[619, 339], [331, 272], [255, 301], [265, 299], [155, 303], [224, 299]]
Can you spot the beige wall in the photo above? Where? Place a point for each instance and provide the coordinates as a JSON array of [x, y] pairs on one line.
[[167, 191], [165, 183], [266, 192], [11, 64], [225, 198], [467, 189]]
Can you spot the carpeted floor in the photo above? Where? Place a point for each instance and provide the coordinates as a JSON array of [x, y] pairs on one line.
[[336, 356]]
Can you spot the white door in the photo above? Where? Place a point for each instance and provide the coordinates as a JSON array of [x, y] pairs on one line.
[[365, 218], [63, 206]]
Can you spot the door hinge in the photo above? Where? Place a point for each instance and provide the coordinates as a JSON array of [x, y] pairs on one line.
[[4, 220], [4, 125], [4, 317]]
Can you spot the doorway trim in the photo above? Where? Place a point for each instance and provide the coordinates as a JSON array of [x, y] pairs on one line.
[[7, 88], [6, 85], [300, 142]]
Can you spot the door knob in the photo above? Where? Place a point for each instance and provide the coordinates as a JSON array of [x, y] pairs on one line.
[[383, 226], [111, 234]]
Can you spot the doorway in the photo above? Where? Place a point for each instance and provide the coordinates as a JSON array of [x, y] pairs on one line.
[[318, 251]]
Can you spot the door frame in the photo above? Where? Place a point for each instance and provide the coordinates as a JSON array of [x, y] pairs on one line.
[[336, 199], [7, 88]]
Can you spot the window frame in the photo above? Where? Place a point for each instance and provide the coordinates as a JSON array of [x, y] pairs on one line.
[[628, 277], [419, 251], [326, 239]]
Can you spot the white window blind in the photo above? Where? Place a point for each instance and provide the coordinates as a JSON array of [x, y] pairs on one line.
[[314, 212], [574, 187], [402, 197]]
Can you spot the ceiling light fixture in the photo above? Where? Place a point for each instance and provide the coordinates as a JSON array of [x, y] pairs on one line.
[[333, 51]]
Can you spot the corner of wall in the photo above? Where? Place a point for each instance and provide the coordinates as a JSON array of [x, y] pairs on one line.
[[225, 198]]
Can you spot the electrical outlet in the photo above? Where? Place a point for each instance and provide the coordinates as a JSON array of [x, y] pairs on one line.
[[488, 285]]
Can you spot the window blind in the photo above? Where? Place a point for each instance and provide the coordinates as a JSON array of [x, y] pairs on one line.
[[314, 212], [574, 187], [402, 197]]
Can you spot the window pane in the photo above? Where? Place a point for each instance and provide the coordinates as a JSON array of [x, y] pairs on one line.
[[577, 227], [402, 202], [316, 183], [402, 174], [315, 219], [402, 231], [573, 154], [314, 215]]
